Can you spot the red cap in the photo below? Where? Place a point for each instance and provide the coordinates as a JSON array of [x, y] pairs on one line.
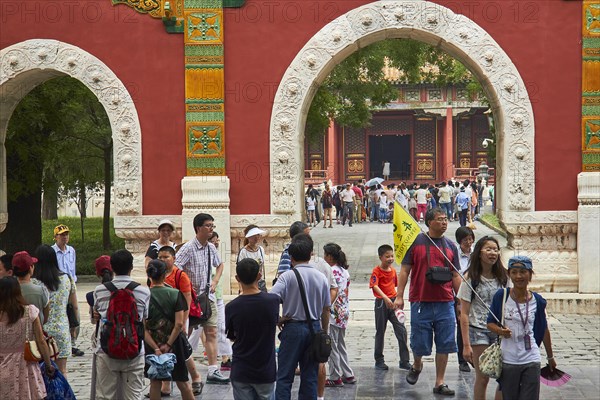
[[22, 261], [102, 263]]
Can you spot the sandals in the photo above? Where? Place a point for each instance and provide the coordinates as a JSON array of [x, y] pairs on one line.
[[197, 388], [444, 390]]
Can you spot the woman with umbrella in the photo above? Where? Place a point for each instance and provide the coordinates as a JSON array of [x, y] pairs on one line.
[[526, 328]]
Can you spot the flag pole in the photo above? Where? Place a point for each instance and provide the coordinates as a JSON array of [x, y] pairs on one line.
[[453, 266]]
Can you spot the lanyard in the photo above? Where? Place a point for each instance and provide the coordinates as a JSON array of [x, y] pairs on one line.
[[523, 320]]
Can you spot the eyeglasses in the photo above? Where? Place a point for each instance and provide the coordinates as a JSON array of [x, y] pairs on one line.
[[209, 226], [441, 219]]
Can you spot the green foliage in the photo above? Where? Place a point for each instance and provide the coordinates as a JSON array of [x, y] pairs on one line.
[[492, 219], [92, 248], [358, 84]]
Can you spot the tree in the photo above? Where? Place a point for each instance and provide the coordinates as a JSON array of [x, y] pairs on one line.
[[358, 85]]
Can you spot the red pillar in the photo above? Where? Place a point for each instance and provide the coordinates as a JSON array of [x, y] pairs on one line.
[[447, 158], [332, 153]]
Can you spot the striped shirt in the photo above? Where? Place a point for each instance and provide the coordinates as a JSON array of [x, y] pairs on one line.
[[192, 258]]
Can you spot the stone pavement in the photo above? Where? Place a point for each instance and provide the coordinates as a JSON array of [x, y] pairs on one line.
[[576, 338]]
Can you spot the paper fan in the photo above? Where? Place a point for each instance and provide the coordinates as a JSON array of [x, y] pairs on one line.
[[554, 377]]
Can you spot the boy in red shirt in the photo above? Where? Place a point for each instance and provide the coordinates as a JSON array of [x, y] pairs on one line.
[[383, 282]]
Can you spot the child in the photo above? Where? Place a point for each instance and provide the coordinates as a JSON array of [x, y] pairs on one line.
[[339, 369], [383, 206], [384, 282], [412, 207]]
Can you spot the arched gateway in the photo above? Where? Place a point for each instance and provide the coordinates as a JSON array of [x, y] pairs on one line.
[[27, 64], [428, 22]]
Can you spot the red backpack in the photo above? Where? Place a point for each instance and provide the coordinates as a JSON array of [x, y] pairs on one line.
[[123, 330]]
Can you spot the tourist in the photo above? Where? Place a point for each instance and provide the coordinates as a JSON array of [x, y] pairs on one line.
[[412, 207], [223, 344], [311, 203], [67, 261], [251, 324], [474, 200], [464, 240], [357, 202], [463, 204], [383, 208], [295, 336], [337, 203], [386, 170], [327, 202], [339, 368], [445, 193], [432, 300], [383, 283], [402, 196], [23, 267], [62, 291], [198, 258], [347, 197], [314, 193], [6, 265], [113, 375], [166, 319], [486, 275], [252, 237], [19, 322], [422, 196], [165, 231], [526, 329]]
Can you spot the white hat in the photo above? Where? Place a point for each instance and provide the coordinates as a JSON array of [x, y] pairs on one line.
[[166, 222], [255, 231]]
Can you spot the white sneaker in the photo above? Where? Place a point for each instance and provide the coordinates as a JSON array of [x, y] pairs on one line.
[[216, 378]]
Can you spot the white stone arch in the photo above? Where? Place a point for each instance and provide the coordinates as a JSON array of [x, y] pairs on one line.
[[27, 64], [427, 22]]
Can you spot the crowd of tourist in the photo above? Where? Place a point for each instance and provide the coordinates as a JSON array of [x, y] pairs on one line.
[[356, 202], [456, 302]]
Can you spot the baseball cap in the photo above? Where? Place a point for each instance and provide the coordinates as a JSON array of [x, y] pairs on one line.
[[22, 261], [520, 262], [166, 222], [255, 231], [102, 263], [61, 229]]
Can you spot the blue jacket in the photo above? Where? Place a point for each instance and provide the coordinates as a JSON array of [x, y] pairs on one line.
[[540, 324]]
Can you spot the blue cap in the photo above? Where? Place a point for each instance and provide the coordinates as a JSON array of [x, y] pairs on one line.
[[520, 262]]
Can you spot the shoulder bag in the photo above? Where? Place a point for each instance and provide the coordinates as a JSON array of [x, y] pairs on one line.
[[490, 361], [195, 310], [202, 298], [320, 345], [437, 274]]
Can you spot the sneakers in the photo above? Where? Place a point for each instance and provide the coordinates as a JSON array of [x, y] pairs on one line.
[[197, 388], [334, 383], [75, 352], [216, 378], [350, 380], [413, 376], [382, 366], [464, 367], [226, 366], [405, 365], [444, 390]]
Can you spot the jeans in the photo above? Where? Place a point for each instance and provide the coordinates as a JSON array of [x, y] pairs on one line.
[[348, 212], [253, 391], [520, 382], [295, 339], [448, 208], [382, 316], [374, 212]]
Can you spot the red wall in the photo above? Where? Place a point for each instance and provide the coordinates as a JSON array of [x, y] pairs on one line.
[[542, 37]]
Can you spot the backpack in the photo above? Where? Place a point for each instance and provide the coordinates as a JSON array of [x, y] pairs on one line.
[[336, 200], [123, 330]]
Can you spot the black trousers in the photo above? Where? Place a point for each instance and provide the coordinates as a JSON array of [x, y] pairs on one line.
[[382, 316]]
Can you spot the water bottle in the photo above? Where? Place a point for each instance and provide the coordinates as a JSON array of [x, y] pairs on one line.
[[400, 315]]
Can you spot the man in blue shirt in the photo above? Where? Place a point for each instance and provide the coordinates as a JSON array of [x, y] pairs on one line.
[[295, 336], [463, 201]]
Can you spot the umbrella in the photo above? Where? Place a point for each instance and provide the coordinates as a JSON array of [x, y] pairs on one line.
[[553, 377], [373, 182]]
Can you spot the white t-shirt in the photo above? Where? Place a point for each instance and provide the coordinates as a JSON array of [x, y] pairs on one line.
[[310, 203], [486, 289], [513, 348], [402, 197], [348, 195], [445, 193], [421, 196], [383, 202]]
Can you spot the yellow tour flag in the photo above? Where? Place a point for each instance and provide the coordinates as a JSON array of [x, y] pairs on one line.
[[406, 230]]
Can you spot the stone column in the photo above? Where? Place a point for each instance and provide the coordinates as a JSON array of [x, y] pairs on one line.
[[209, 194], [448, 147], [588, 238]]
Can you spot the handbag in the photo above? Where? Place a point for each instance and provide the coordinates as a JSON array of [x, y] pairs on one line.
[[195, 309], [436, 274], [203, 300], [490, 361], [57, 387], [31, 351], [320, 344]]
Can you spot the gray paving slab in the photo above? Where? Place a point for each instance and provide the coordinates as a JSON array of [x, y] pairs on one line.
[[576, 338]]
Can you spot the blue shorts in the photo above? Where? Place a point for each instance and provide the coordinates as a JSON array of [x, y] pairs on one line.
[[427, 319]]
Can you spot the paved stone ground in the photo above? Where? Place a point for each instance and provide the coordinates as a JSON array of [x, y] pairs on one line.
[[576, 339]]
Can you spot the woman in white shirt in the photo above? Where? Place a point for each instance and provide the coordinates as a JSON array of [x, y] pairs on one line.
[[253, 250]]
